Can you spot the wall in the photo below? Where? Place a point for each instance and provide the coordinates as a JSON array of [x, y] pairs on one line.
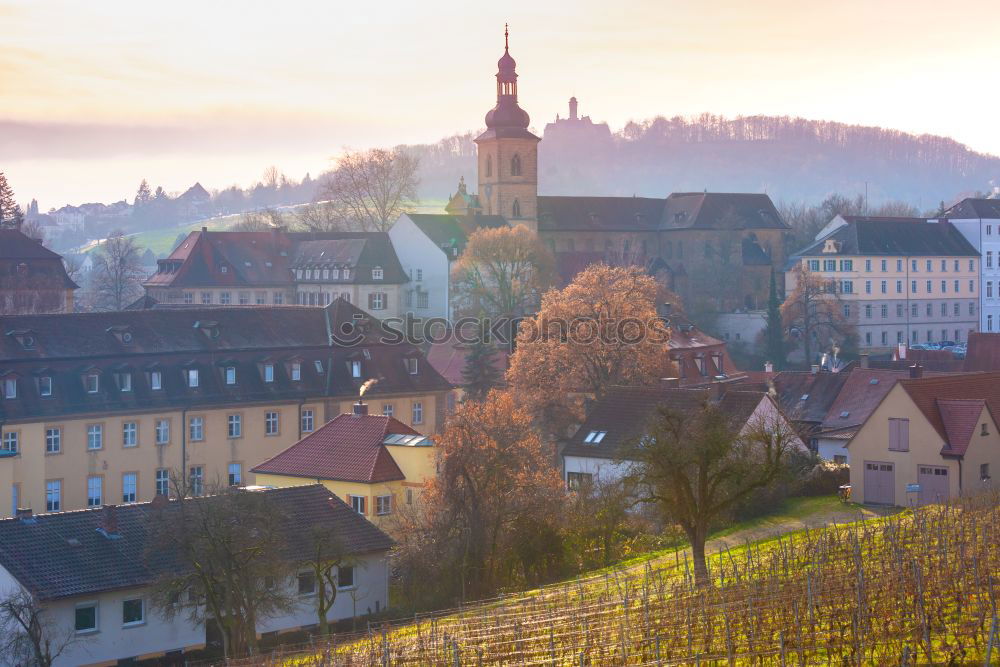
[[416, 251], [604, 469]]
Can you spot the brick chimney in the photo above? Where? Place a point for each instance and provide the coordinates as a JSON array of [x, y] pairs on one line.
[[768, 367], [916, 371], [360, 408], [109, 521], [863, 359]]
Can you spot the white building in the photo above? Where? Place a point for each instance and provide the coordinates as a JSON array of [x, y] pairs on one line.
[[979, 221], [91, 574]]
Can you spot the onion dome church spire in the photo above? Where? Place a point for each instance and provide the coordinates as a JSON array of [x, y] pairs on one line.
[[507, 114]]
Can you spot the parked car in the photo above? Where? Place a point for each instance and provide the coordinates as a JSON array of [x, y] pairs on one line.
[[946, 344]]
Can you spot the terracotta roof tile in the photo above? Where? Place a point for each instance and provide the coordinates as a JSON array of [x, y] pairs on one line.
[[858, 397], [959, 418], [954, 393]]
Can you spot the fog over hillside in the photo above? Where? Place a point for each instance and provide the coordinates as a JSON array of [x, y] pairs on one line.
[[792, 159]]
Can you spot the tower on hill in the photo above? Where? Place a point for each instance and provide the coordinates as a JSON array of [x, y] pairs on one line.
[[508, 153]]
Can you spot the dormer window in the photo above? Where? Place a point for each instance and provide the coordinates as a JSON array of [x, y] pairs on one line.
[[411, 365], [124, 381], [10, 387], [192, 378], [230, 375], [335, 274], [309, 274], [295, 371], [24, 337], [326, 274], [298, 274], [355, 369], [121, 333], [845, 414], [595, 437], [377, 273], [210, 329], [347, 274], [223, 269], [92, 381], [156, 380], [318, 365], [268, 373], [45, 385]]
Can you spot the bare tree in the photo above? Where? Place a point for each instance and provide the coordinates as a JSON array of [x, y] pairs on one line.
[[326, 557], [30, 636], [227, 564], [323, 216], [697, 465], [258, 221], [373, 187], [813, 312], [118, 271]]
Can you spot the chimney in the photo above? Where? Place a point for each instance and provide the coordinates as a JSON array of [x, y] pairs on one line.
[[814, 369], [768, 367], [916, 371], [109, 521], [25, 515], [204, 229], [864, 359], [670, 383], [360, 408]]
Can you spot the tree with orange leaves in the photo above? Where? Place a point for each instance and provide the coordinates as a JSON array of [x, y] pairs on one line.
[[494, 492], [600, 330]]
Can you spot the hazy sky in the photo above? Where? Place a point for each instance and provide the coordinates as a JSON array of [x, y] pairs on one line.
[[215, 91]]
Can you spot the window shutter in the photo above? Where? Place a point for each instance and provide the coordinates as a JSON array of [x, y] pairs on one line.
[[893, 434], [371, 301], [904, 435]]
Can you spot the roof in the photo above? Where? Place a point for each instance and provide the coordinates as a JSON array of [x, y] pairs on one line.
[[16, 245], [361, 251], [599, 213], [323, 340], [348, 448], [806, 396], [624, 413], [859, 395], [974, 207], [893, 236], [452, 231], [721, 210], [22, 258], [948, 403], [982, 352], [449, 359], [63, 554]]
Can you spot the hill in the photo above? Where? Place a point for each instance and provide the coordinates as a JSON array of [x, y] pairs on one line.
[[914, 588], [792, 159]]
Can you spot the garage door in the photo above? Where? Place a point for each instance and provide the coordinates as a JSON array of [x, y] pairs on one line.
[[933, 482], [880, 483]]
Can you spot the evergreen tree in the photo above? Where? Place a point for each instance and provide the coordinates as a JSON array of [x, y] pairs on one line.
[[11, 215], [479, 374], [774, 340], [143, 195]]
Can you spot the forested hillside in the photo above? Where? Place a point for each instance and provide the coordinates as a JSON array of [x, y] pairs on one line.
[[793, 159]]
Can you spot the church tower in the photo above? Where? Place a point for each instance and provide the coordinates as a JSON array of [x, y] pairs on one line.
[[508, 153]]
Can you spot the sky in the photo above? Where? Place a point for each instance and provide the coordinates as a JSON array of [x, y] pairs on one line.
[[95, 96]]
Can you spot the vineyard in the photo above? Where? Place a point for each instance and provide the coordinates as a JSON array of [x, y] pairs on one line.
[[916, 588]]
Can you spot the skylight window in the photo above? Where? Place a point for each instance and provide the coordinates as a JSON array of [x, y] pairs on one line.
[[595, 437], [844, 414], [805, 397], [873, 381]]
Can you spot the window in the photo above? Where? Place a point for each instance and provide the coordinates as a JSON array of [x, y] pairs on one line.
[[53, 440], [225, 298], [268, 373], [899, 287], [418, 413], [206, 298], [899, 310], [196, 429], [156, 380], [899, 435], [132, 612], [376, 301], [357, 503], [94, 491], [515, 211], [355, 369], [984, 472], [972, 287], [347, 276], [244, 298], [85, 618], [270, 423], [595, 437], [884, 262], [409, 496], [956, 265], [124, 381], [899, 265], [45, 386], [868, 338], [188, 297], [278, 298], [308, 423], [899, 336], [235, 474], [192, 377], [913, 287], [829, 265], [95, 436], [930, 309], [846, 265], [944, 287], [296, 371], [868, 287], [10, 441], [307, 583], [162, 431], [578, 480], [989, 259], [989, 230], [957, 310], [230, 374], [318, 365], [376, 273], [885, 338], [130, 434], [984, 429], [847, 286], [847, 310], [260, 298], [345, 577], [383, 505], [423, 299], [10, 388], [234, 426], [868, 310], [944, 313], [53, 495], [929, 287], [387, 409], [913, 265], [93, 383], [930, 266], [162, 482], [411, 365], [840, 459], [489, 165], [129, 483], [813, 265], [868, 265], [944, 265], [885, 310], [196, 480], [913, 309], [884, 286]]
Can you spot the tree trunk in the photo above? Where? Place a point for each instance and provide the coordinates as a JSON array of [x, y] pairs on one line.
[[698, 537]]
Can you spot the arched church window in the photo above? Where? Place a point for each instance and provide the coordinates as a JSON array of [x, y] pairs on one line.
[[489, 165], [515, 165], [516, 209]]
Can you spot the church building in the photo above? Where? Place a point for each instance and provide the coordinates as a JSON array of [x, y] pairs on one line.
[[716, 247]]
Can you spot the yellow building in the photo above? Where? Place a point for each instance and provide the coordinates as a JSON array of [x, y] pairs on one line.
[[102, 408], [928, 440], [374, 463]]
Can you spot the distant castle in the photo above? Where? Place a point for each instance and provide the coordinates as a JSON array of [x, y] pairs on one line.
[[576, 129]]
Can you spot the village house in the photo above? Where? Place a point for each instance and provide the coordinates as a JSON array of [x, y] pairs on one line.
[[929, 439], [372, 462], [32, 277], [105, 406], [91, 573]]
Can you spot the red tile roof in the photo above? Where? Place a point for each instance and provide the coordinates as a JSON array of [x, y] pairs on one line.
[[959, 418], [859, 396], [348, 448], [946, 402]]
